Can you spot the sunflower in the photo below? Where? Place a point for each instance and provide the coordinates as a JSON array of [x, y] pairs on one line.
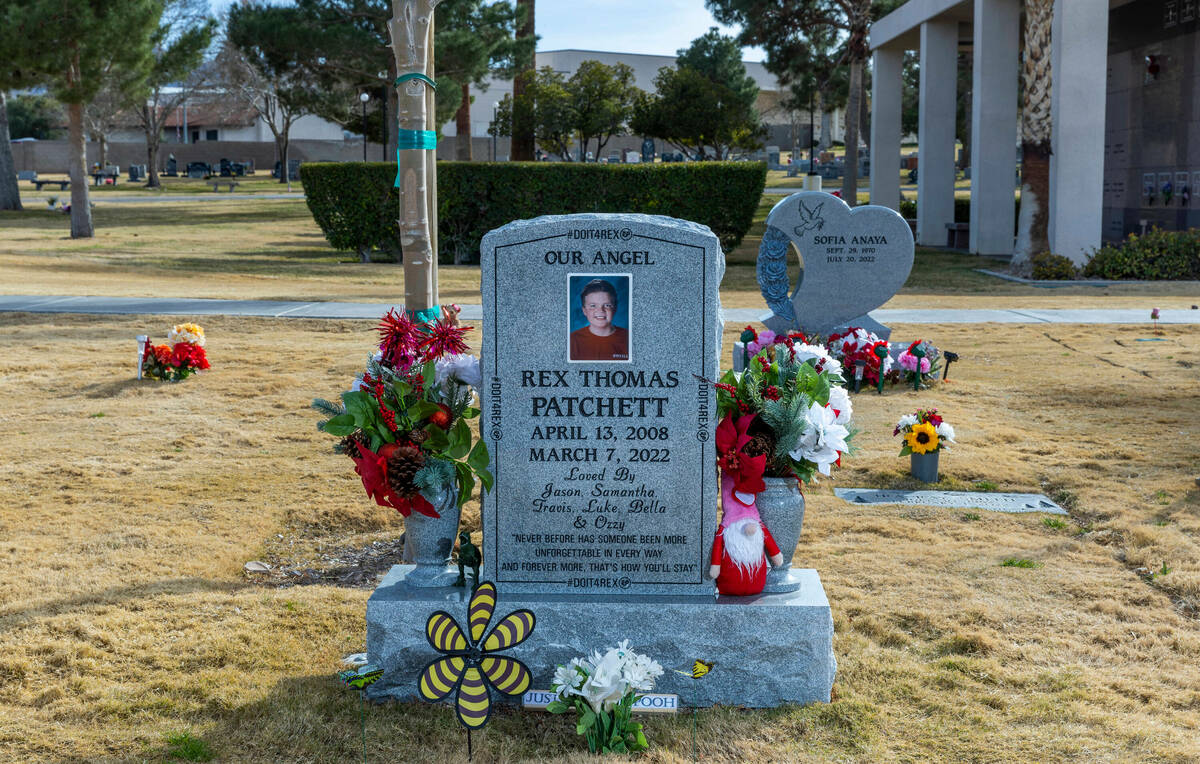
[[922, 438]]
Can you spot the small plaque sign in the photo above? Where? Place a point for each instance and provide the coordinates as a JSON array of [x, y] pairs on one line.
[[653, 703]]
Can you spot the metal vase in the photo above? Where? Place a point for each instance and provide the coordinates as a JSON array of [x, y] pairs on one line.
[[924, 467], [781, 508], [431, 540]]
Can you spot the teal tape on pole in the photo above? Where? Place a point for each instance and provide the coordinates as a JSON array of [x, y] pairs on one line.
[[416, 139], [414, 76], [409, 140]]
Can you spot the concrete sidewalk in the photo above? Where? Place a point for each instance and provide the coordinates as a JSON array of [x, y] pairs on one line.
[[281, 309]]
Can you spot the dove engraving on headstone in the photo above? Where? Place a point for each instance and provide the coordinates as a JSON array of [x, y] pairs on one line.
[[853, 262]]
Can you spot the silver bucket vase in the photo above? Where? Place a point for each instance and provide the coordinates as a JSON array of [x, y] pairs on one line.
[[781, 508], [924, 467], [428, 541]]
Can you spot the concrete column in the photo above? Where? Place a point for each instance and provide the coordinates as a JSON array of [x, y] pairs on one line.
[[1079, 60], [994, 125], [935, 135], [886, 90]]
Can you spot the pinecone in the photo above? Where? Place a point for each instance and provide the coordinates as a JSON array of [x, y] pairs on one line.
[[349, 444], [762, 444], [402, 467], [417, 436]]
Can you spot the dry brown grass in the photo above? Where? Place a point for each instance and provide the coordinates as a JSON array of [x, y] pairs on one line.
[[272, 250], [129, 509]]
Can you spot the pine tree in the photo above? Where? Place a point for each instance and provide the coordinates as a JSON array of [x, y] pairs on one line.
[[68, 46]]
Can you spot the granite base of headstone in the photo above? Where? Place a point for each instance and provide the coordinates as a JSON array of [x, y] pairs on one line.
[[767, 650], [601, 343]]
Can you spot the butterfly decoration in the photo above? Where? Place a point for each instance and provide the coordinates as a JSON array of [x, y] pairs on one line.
[[699, 669], [362, 677], [469, 667]]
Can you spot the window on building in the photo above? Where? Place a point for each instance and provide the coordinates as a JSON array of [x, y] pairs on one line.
[[195, 136], [210, 135]]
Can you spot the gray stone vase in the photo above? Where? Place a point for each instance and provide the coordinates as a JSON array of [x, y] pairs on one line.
[[924, 467], [430, 540], [781, 508]]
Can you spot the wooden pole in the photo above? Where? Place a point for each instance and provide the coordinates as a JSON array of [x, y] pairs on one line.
[[411, 30], [431, 169]]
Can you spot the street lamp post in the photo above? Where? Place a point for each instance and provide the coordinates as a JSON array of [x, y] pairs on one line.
[[383, 105], [495, 116], [363, 97]]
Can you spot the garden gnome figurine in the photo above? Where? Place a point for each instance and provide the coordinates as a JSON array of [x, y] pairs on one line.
[[742, 546], [468, 557]]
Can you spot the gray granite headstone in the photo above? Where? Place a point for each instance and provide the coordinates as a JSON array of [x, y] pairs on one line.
[[854, 261], [602, 515], [604, 467]]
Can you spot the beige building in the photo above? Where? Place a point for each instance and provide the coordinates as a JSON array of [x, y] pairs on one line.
[[785, 129]]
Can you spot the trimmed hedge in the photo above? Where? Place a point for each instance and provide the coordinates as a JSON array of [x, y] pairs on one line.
[[1159, 255], [356, 206], [962, 209]]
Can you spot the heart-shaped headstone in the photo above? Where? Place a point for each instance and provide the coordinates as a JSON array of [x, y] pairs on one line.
[[854, 261]]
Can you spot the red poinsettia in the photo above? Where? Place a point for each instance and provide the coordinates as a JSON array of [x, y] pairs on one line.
[[746, 470], [372, 468]]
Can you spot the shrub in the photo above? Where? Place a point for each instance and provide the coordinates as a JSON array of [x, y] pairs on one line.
[[962, 209], [1158, 255], [356, 206], [1051, 267]]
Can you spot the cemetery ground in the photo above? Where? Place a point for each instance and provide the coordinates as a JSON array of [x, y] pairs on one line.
[[129, 630], [131, 507]]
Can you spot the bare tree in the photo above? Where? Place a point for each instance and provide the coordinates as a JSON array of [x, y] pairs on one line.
[[184, 34]]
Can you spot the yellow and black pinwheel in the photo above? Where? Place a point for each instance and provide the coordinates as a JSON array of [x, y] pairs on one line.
[[469, 665]]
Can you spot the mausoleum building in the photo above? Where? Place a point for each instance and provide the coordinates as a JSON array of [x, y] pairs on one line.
[[1125, 110]]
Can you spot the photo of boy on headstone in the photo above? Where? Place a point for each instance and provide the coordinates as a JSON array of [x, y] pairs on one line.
[[599, 318]]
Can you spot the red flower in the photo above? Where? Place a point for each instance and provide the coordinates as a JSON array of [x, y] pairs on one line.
[[188, 356], [745, 470], [398, 338], [372, 468], [443, 339]]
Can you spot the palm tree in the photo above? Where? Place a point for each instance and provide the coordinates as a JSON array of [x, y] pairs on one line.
[[1036, 122]]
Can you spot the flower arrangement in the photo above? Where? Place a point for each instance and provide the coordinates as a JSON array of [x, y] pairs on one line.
[[786, 415], [183, 356], [919, 361], [404, 422], [857, 344], [602, 690], [924, 432]]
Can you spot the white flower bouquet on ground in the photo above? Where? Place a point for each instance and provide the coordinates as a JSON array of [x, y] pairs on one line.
[[602, 689]]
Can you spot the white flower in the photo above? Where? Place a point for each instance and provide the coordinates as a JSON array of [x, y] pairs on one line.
[[822, 440], [357, 384], [906, 421], [804, 352], [839, 399], [945, 432], [463, 369], [567, 679], [605, 687]]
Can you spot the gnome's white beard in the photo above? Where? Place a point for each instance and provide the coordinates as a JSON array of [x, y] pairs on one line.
[[746, 551]]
